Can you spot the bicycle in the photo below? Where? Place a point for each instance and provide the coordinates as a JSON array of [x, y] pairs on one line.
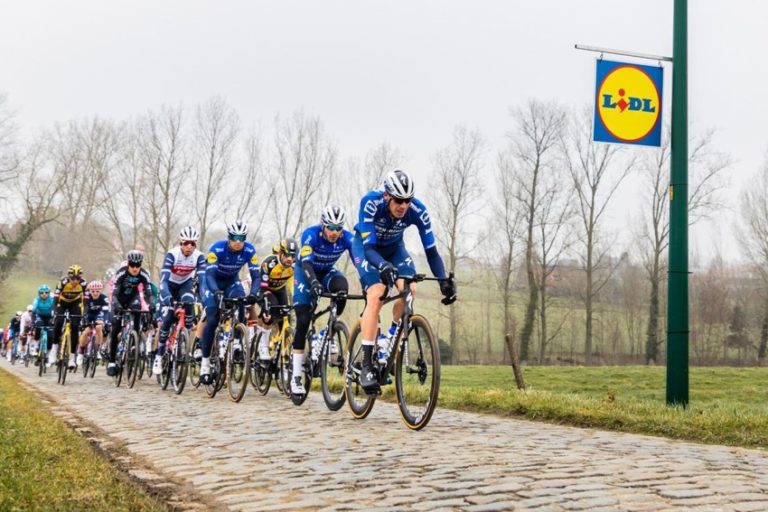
[[231, 329], [279, 365], [62, 363], [146, 354], [174, 360], [89, 353], [25, 356], [326, 359], [42, 351], [414, 359], [128, 348], [15, 349]]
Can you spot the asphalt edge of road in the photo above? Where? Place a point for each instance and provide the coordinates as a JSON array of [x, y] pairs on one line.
[[174, 493]]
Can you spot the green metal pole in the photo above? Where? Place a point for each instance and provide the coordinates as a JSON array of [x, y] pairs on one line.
[[677, 305]]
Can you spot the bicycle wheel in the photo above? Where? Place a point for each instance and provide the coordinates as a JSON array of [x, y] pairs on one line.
[[64, 360], [417, 374], [332, 367], [141, 363], [194, 364], [165, 375], [212, 388], [132, 358], [360, 403], [261, 372], [86, 365], [285, 365], [42, 356], [121, 360], [238, 363], [180, 363]]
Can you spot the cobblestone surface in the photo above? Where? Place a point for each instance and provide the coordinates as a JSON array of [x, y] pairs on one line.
[[265, 454]]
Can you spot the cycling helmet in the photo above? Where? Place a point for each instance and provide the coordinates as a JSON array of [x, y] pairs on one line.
[[135, 257], [189, 233], [289, 247], [18, 313], [333, 215], [44, 288], [399, 185], [95, 286], [237, 228], [75, 271], [29, 307]]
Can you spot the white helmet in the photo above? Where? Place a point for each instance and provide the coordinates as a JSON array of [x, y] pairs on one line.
[[398, 184], [189, 233], [29, 307], [18, 313], [237, 228], [333, 214]]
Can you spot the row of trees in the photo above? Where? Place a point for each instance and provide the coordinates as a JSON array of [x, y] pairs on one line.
[[545, 198]]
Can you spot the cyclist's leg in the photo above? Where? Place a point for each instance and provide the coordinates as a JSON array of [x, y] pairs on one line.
[[335, 281], [405, 268], [58, 326], [187, 297], [373, 289]]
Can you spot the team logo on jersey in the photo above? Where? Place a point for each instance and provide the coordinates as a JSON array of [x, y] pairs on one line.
[[255, 260], [628, 103], [365, 234], [306, 251], [212, 257]]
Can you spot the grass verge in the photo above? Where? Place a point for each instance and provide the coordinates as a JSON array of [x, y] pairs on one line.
[[44, 465]]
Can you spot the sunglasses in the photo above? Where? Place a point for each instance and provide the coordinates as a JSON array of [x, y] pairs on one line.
[[334, 227], [237, 238], [402, 201], [45, 293], [189, 242], [134, 265]]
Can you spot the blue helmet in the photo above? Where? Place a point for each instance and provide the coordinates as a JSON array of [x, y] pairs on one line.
[[44, 288]]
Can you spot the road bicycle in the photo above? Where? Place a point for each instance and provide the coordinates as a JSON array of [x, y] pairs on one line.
[[42, 351], [232, 334], [324, 355], [414, 360], [278, 367], [62, 363], [90, 360], [174, 360], [128, 355]]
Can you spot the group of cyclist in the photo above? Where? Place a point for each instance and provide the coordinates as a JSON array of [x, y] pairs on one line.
[[375, 246]]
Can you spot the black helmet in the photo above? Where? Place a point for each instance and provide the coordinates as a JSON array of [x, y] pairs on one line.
[[289, 247], [135, 257]]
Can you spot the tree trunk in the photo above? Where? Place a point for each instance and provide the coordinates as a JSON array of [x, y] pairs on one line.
[[652, 341]]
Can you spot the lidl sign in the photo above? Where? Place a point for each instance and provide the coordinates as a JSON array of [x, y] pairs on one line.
[[628, 103]]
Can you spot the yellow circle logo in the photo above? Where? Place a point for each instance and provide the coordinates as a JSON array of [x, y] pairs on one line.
[[628, 103]]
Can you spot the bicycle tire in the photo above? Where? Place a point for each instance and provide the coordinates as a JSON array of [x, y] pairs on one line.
[[360, 403], [166, 373], [213, 388], [121, 362], [64, 366], [285, 365], [332, 373], [238, 368], [132, 358], [179, 363], [94, 364], [86, 365], [422, 371], [261, 372], [193, 368]]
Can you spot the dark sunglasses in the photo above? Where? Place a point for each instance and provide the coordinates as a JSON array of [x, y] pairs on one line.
[[237, 238], [189, 242], [334, 227], [134, 265], [44, 293], [402, 201]]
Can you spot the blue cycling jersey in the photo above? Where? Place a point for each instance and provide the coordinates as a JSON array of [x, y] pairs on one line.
[[378, 228], [43, 307], [224, 264], [321, 253]]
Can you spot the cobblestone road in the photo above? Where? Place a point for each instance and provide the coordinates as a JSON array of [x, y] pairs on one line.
[[266, 454]]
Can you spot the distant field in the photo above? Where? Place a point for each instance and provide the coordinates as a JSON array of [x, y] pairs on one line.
[[19, 291]]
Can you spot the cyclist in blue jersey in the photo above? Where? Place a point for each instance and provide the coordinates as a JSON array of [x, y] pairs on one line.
[[42, 307], [380, 257], [321, 247], [224, 261], [177, 282], [95, 306]]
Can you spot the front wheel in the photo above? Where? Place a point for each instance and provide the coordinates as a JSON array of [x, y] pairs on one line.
[[132, 357], [417, 373], [238, 363], [180, 362], [285, 365], [332, 367], [194, 364], [63, 359], [360, 403], [261, 371]]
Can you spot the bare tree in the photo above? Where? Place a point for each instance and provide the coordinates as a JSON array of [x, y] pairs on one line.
[[305, 158], [254, 186], [706, 169], [37, 192], [511, 222], [533, 145], [596, 174], [216, 129], [458, 186], [9, 160]]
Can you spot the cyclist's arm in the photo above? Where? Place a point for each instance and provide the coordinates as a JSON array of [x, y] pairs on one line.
[[424, 223], [165, 274], [254, 271]]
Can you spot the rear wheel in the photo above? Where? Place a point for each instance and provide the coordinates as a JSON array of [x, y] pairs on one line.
[[360, 403], [212, 388], [417, 374], [238, 363], [332, 367], [179, 363], [261, 371], [285, 364], [194, 364], [64, 359]]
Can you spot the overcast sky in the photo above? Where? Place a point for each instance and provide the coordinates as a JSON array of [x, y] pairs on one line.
[[405, 72]]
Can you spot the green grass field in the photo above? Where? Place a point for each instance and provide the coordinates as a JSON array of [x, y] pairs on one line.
[[44, 465]]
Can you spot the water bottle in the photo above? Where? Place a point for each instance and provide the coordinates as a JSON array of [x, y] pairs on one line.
[[316, 340]]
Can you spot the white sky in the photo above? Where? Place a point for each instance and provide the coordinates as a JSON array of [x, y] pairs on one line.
[[403, 71]]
